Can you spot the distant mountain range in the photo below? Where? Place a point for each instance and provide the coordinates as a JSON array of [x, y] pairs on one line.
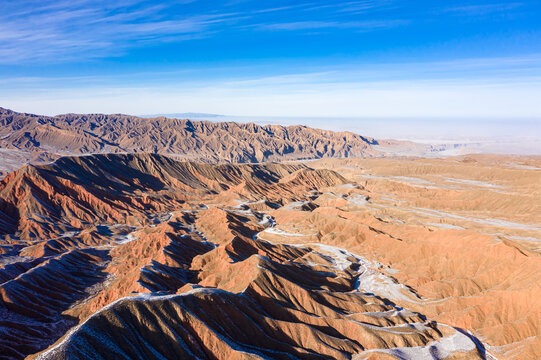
[[30, 138], [188, 115]]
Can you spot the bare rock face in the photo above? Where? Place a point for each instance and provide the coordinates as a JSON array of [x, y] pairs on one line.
[[41, 138]]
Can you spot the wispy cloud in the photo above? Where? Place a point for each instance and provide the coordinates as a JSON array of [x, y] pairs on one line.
[[311, 25], [481, 87], [311, 97], [483, 9], [512, 69], [362, 6], [61, 30]]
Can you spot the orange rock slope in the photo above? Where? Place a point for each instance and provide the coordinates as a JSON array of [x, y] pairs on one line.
[[144, 257]]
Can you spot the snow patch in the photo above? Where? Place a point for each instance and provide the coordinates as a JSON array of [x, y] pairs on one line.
[[473, 182], [446, 226], [440, 349], [295, 205], [277, 231], [357, 200]]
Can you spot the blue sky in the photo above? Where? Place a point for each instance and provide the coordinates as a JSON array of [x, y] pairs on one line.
[[381, 59]]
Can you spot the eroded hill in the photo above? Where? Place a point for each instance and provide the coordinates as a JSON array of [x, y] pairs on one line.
[[141, 256], [35, 138]]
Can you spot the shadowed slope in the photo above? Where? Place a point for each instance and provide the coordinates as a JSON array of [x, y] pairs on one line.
[[83, 232], [274, 305], [31, 304], [41, 201]]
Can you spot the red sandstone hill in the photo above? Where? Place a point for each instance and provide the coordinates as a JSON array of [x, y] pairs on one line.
[[41, 201], [140, 256]]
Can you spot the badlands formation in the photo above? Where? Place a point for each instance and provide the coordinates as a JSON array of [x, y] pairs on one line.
[[141, 256], [156, 242], [39, 139]]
